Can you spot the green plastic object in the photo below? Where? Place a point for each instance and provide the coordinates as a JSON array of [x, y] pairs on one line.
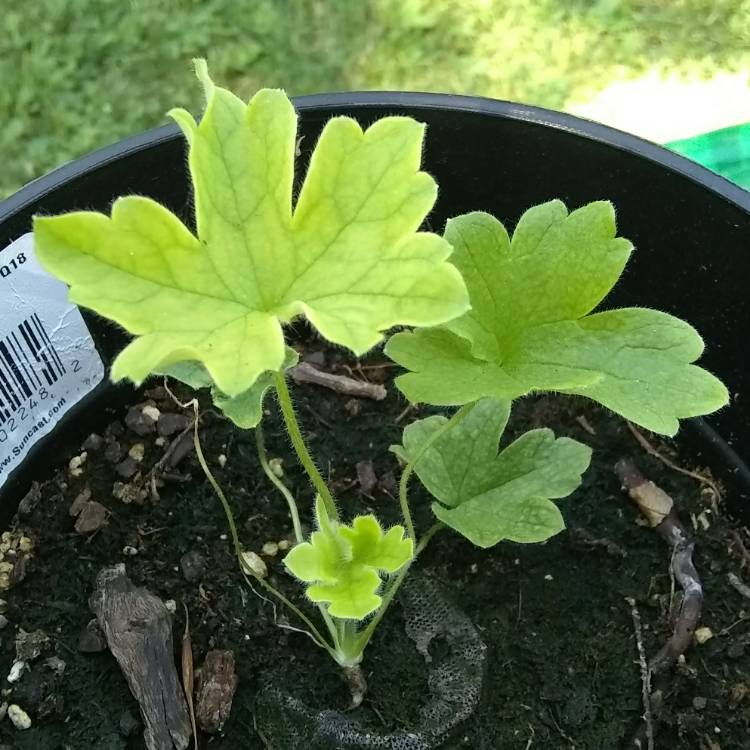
[[725, 151]]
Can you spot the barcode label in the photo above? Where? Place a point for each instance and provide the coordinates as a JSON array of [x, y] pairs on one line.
[[28, 360], [48, 360]]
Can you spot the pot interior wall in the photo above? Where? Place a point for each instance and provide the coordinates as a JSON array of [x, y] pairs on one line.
[[690, 228]]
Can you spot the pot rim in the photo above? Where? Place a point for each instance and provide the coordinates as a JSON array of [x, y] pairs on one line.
[[364, 100]]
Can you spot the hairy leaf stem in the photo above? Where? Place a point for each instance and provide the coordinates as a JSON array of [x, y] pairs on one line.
[[300, 447]]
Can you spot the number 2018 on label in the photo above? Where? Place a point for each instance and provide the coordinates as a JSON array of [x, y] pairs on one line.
[[7, 268]]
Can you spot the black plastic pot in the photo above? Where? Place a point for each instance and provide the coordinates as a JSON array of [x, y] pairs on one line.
[[691, 229]]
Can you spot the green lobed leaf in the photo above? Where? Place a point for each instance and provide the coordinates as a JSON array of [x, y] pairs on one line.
[[529, 327], [343, 564], [487, 496], [348, 256]]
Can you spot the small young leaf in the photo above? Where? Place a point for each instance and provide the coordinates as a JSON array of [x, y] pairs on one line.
[[189, 372], [370, 546], [529, 327], [343, 563], [489, 497], [245, 409], [348, 256]]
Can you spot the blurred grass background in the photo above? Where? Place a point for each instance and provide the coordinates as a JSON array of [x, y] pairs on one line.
[[78, 74]]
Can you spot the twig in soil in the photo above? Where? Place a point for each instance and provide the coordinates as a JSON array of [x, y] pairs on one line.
[[306, 373], [738, 586], [188, 674], [673, 532], [177, 450], [644, 443], [559, 729], [406, 410], [378, 366], [319, 417], [145, 531], [520, 603], [645, 673], [581, 419], [582, 538], [730, 628], [653, 502], [741, 545]]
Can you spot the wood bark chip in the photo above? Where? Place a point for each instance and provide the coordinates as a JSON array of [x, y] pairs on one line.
[[306, 373], [654, 502], [216, 686], [91, 518], [138, 629]]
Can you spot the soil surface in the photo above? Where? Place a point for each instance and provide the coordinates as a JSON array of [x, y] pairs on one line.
[[562, 665]]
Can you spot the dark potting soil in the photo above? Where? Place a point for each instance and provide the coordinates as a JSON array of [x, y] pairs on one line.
[[562, 666]]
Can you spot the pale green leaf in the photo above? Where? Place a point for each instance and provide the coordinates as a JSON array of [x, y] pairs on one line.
[[386, 552], [487, 496], [529, 327], [316, 560], [189, 372], [348, 256], [343, 563], [352, 597], [245, 409]]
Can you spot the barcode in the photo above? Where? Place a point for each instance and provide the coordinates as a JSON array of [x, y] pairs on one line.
[[28, 363]]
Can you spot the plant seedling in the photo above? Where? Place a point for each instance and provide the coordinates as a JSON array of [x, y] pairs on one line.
[[493, 317], [343, 563]]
